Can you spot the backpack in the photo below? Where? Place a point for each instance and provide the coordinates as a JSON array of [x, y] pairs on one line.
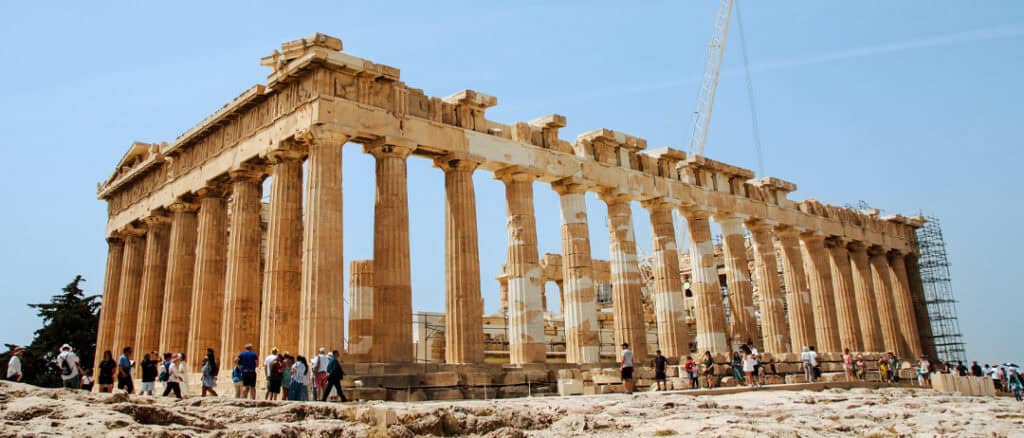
[[65, 369], [164, 373], [334, 370]]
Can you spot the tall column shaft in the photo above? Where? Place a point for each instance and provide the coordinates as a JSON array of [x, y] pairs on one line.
[[904, 302], [669, 304], [360, 316], [710, 314], [133, 264], [282, 276], [181, 267], [774, 329], [525, 310], [154, 274], [823, 303], [321, 322], [579, 308], [864, 290], [798, 297], [924, 325], [463, 304], [881, 277], [391, 334], [208, 286], [737, 277], [627, 299], [846, 303], [111, 291], [242, 288]]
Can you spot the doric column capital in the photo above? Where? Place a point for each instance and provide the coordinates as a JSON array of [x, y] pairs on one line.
[[760, 225], [455, 163], [183, 206], [386, 146], [613, 197], [786, 231], [132, 231], [730, 218], [893, 253], [570, 185], [660, 204], [512, 174], [247, 172], [212, 190], [695, 213], [321, 135], [115, 239], [836, 242], [157, 218], [856, 245], [875, 250], [282, 155], [812, 237]]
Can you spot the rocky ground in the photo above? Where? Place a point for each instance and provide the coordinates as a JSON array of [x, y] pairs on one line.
[[31, 411]]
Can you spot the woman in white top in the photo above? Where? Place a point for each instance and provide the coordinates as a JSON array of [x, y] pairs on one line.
[[749, 362], [298, 391], [175, 377]]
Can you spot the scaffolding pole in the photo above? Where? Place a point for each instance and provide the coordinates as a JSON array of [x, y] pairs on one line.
[[938, 292]]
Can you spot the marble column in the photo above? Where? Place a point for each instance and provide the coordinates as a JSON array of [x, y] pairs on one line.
[[111, 291], [774, 329], [627, 298], [243, 285], [924, 326], [130, 287], [360, 316], [154, 274], [669, 304], [737, 277], [181, 266], [910, 338], [864, 290], [823, 303], [211, 267], [525, 311], [710, 311], [282, 272], [798, 297], [322, 317], [846, 303], [886, 309], [464, 328], [392, 283], [579, 308]]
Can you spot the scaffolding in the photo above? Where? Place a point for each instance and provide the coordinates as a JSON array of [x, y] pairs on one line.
[[938, 292]]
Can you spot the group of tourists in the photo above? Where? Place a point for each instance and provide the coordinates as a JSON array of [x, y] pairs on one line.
[[1006, 377]]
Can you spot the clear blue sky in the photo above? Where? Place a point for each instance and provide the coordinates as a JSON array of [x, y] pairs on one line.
[[909, 106]]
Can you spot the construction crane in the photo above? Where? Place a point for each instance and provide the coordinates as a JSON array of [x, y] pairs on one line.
[[712, 68]]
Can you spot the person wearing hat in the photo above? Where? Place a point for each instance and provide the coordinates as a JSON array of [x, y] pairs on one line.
[[67, 360], [626, 367], [14, 365]]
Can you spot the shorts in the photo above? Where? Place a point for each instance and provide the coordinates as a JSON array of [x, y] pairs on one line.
[[126, 384], [148, 386], [627, 373], [659, 376], [72, 383], [249, 378], [274, 386], [321, 379]]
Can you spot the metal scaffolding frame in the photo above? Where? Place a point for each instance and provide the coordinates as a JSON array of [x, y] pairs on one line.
[[938, 292]]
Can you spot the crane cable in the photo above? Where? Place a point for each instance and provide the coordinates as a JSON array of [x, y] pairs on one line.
[[750, 92]]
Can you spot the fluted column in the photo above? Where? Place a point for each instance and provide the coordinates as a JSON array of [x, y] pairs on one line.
[[669, 304], [579, 308], [924, 326], [910, 338], [880, 276], [181, 267], [211, 266], [710, 312], [132, 266], [154, 274], [525, 306], [627, 305], [242, 288], [392, 284], [111, 291], [360, 316], [463, 304], [322, 317], [823, 303], [846, 303], [774, 329], [864, 290], [282, 273], [737, 277], [798, 297]]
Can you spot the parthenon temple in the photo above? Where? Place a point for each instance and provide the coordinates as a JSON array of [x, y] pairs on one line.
[[196, 260]]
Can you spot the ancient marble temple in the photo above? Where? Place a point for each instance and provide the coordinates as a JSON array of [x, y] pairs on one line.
[[197, 261]]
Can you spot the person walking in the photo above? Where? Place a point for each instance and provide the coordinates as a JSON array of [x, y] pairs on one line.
[[275, 375], [210, 371], [149, 373], [185, 370], [997, 376], [165, 369], [334, 376], [107, 368], [709, 370], [247, 359], [809, 360], [691, 372], [14, 372], [286, 374], [626, 367], [1013, 381], [659, 370], [848, 365], [236, 379], [749, 365], [174, 377], [67, 362], [319, 371], [923, 372], [124, 371], [298, 391], [267, 366]]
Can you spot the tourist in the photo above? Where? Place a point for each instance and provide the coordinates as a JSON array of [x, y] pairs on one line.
[[286, 376], [736, 364], [923, 372], [275, 374], [997, 376], [185, 369], [749, 362], [659, 370], [236, 379], [848, 365], [894, 368], [626, 367], [961, 369], [319, 371], [14, 372], [976, 370], [267, 365], [175, 377], [862, 368], [709, 370], [809, 360], [334, 376], [691, 372], [124, 371], [107, 367], [70, 369], [298, 390], [247, 360], [86, 381], [165, 369], [210, 370], [149, 373], [1013, 381]]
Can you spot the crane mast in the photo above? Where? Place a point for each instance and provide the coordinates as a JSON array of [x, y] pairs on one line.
[[712, 68]]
